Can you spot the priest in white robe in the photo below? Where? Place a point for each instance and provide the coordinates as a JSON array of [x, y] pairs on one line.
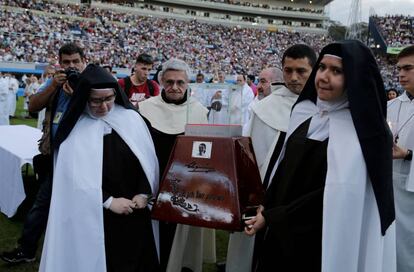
[[13, 87], [267, 127], [230, 106]]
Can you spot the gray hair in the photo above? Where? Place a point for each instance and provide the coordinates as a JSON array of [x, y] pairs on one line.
[[174, 65], [276, 75]]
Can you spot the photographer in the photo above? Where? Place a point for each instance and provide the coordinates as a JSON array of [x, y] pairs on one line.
[[55, 97]]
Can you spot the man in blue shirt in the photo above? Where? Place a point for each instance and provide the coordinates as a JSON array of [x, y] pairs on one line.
[[54, 96]]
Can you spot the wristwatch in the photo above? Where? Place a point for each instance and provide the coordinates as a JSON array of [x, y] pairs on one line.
[[409, 155]]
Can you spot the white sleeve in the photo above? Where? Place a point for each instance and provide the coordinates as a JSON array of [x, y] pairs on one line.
[[108, 202]]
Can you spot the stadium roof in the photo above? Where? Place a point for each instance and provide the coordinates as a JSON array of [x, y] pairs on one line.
[[316, 2]]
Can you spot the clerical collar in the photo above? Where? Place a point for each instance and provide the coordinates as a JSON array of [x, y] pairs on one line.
[[169, 101], [410, 96]]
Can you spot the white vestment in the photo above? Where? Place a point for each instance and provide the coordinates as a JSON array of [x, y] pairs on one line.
[[13, 86], [171, 118], [270, 116], [351, 232], [234, 108], [400, 117], [4, 105], [74, 238]]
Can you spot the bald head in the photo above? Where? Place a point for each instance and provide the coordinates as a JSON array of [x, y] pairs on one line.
[[266, 78]]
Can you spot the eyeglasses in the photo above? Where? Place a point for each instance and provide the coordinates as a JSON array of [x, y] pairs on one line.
[[96, 102], [179, 83]]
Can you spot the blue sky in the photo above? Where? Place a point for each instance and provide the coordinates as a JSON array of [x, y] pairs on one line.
[[339, 9]]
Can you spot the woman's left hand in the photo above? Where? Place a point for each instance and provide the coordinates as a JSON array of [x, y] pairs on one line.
[[140, 201], [255, 224]]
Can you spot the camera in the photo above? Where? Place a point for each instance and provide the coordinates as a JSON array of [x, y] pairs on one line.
[[72, 76]]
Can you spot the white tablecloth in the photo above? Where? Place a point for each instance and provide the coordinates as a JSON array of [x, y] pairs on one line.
[[18, 146]]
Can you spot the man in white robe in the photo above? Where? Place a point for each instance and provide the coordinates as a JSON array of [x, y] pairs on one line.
[[266, 77], [234, 103], [13, 86], [267, 127], [4, 105], [401, 121]]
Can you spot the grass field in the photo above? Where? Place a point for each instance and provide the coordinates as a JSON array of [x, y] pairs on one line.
[[10, 228]]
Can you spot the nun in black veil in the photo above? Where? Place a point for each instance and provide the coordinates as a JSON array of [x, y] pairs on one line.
[[329, 206], [104, 171]]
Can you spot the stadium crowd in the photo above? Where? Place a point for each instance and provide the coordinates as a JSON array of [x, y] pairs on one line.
[[208, 48], [266, 6], [397, 30], [116, 38]]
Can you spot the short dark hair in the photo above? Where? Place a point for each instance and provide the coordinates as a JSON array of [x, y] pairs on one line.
[[251, 77], [406, 52], [145, 59], [200, 74], [70, 49], [300, 51]]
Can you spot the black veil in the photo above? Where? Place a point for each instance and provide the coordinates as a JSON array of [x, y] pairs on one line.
[[95, 77]]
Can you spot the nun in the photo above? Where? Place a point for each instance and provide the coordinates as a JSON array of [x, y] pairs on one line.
[[105, 170], [329, 205]]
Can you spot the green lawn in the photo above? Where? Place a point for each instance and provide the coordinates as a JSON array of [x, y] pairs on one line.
[[10, 228]]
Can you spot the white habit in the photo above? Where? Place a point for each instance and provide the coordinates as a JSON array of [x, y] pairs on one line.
[[400, 117], [351, 233], [75, 232]]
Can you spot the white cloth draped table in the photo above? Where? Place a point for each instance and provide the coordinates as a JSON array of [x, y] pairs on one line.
[[18, 146]]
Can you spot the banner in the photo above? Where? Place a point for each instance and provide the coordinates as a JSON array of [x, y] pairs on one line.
[[394, 50]]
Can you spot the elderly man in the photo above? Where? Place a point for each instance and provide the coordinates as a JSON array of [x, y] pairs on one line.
[[167, 114], [266, 78], [267, 128], [104, 172], [400, 117]]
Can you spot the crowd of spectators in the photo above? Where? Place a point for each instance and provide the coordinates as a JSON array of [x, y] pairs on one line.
[[117, 38], [239, 3], [397, 30], [389, 72], [266, 6]]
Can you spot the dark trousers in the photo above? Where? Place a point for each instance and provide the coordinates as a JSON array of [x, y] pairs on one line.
[[36, 219]]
